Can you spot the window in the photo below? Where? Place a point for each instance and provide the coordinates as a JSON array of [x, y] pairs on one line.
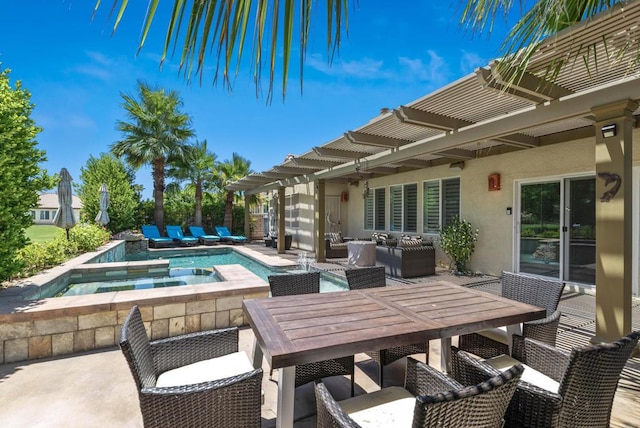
[[403, 208], [33, 215], [374, 218], [440, 203], [292, 211], [44, 215]]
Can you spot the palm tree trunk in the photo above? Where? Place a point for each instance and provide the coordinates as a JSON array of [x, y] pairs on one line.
[[158, 192], [197, 220], [228, 211]]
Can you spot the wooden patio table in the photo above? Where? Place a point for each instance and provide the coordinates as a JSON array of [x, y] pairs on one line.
[[291, 330]]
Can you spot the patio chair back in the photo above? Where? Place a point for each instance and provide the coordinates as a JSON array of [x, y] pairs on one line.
[[197, 231], [151, 231], [590, 382], [374, 277], [222, 231], [135, 346], [297, 283], [175, 232], [541, 292], [309, 283], [366, 277]]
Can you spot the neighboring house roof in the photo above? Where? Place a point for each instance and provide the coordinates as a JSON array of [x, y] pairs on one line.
[[50, 201]]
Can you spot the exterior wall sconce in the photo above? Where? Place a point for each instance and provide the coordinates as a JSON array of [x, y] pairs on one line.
[[609, 130], [459, 166], [494, 182]]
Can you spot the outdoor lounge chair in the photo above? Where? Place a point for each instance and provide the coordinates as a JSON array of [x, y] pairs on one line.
[[205, 239], [152, 233], [373, 277], [192, 380], [429, 399], [309, 283], [557, 388], [175, 233], [226, 236], [541, 292]]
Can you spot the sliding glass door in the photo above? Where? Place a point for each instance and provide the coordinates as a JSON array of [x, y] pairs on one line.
[[557, 229]]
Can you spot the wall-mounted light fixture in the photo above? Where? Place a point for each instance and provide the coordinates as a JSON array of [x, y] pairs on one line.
[[609, 130], [457, 165], [494, 182]]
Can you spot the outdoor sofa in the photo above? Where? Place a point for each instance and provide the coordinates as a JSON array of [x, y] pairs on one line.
[[410, 258], [335, 246]]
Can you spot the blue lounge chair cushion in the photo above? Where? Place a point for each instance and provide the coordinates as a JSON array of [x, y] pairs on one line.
[[151, 232], [224, 233], [198, 232], [175, 233]]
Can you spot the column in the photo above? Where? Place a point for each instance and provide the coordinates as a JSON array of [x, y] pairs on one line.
[[281, 230], [613, 129], [319, 222], [247, 216]]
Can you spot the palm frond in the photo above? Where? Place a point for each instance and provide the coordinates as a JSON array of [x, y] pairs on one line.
[[219, 28]]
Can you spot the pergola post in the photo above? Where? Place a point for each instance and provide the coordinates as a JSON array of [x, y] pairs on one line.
[[247, 216], [613, 129], [281, 230], [319, 220]]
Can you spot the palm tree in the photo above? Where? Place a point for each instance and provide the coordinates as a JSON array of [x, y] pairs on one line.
[[155, 133], [197, 166], [228, 172], [228, 37]]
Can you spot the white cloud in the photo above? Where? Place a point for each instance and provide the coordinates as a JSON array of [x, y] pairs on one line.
[[434, 70], [469, 61], [365, 68]]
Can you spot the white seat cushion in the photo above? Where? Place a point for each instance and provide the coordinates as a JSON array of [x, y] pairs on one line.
[[388, 407], [499, 334], [532, 376], [206, 370]]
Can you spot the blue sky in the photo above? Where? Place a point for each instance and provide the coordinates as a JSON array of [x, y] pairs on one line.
[[76, 70]]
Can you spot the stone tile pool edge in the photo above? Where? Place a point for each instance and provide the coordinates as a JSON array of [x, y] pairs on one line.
[[31, 329]]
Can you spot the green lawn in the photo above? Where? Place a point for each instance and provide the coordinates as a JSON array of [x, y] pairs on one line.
[[43, 232]]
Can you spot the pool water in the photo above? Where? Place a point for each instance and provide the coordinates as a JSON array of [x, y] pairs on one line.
[[176, 277], [226, 256]]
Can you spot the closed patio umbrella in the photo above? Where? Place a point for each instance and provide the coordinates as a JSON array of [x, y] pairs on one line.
[[103, 216], [64, 217]]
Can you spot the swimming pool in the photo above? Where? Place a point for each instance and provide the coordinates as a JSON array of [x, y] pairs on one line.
[[185, 267]]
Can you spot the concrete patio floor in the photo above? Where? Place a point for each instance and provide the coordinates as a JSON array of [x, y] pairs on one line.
[[96, 389]]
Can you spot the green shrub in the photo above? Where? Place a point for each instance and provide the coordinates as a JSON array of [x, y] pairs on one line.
[[39, 256], [88, 237], [458, 241]]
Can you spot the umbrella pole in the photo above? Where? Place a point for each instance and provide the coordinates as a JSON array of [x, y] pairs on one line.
[[67, 234]]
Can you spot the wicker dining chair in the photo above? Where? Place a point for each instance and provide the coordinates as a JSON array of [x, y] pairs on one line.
[[558, 389], [429, 399], [541, 292], [309, 283], [192, 380], [374, 277]]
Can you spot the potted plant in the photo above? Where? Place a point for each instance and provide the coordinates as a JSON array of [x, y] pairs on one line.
[[458, 241]]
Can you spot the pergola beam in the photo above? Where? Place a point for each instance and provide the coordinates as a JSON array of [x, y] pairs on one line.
[[430, 120], [338, 153], [356, 137], [446, 123], [294, 170], [531, 84], [316, 163]]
